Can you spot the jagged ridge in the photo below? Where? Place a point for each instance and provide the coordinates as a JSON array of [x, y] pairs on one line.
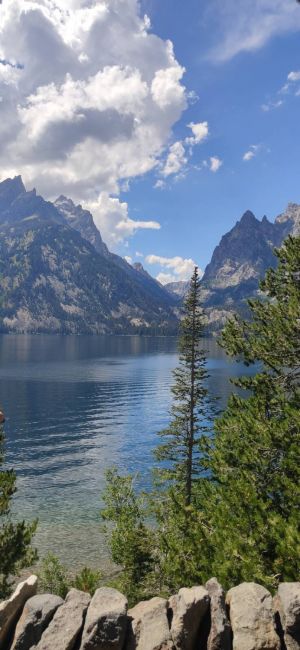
[[53, 278]]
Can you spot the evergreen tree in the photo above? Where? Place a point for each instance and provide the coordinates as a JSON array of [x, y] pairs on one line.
[[184, 452], [15, 538], [253, 509], [130, 540], [228, 503], [192, 409]]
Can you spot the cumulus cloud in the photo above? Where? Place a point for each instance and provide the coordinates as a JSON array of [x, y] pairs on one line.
[[182, 268], [248, 155], [215, 164], [294, 76], [180, 152], [200, 132], [289, 86], [248, 25], [252, 152], [165, 88], [89, 95], [112, 219], [175, 161]]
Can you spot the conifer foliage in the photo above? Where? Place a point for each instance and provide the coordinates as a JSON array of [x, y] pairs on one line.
[[15, 538], [228, 503], [191, 411], [255, 460]]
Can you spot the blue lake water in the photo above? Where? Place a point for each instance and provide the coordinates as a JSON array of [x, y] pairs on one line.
[[75, 406]]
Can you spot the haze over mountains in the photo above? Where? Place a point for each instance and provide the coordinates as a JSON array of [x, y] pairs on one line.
[[57, 275]]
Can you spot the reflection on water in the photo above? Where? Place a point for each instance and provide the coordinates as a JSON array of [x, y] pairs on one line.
[[76, 406]]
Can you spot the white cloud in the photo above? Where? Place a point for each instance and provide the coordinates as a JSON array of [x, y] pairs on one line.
[[112, 219], [166, 89], [166, 278], [176, 160], [182, 268], [248, 155], [285, 90], [215, 163], [252, 152], [294, 76], [128, 259], [160, 184], [200, 132], [271, 105], [248, 25], [90, 96], [180, 152]]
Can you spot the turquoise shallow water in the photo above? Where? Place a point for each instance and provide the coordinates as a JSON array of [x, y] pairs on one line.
[[76, 406]]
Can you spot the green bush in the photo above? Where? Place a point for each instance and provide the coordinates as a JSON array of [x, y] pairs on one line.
[[87, 580], [53, 576]]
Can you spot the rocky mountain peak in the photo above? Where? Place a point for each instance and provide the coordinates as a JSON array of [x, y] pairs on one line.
[[244, 253], [291, 218], [10, 189], [248, 218], [139, 267], [82, 220]]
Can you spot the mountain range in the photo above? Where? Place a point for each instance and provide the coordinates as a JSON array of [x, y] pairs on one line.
[[57, 275]]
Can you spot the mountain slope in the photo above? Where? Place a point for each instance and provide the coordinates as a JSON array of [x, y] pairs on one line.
[[178, 289], [241, 260], [54, 280], [82, 220], [291, 219]]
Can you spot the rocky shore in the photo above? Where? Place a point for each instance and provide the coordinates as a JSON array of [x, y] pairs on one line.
[[246, 618]]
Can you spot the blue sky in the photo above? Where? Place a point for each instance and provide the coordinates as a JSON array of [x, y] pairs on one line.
[[196, 211], [104, 112]]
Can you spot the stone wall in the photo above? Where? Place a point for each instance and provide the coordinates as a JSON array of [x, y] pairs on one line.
[[197, 618]]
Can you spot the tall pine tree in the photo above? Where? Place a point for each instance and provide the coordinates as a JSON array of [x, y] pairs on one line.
[[183, 453], [191, 412]]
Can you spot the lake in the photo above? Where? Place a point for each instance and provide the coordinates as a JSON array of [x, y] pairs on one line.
[[75, 406]]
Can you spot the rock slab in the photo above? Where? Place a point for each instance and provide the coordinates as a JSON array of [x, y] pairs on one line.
[[36, 616], [287, 603], [106, 621], [220, 632], [149, 626], [11, 608], [252, 618], [188, 608], [64, 630]]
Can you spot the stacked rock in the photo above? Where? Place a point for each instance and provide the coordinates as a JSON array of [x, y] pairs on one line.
[[197, 618]]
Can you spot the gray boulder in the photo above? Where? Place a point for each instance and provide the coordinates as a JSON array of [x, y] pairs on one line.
[[106, 621], [287, 604], [149, 627], [36, 616], [220, 631], [188, 607], [64, 630], [10, 609], [252, 618]]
